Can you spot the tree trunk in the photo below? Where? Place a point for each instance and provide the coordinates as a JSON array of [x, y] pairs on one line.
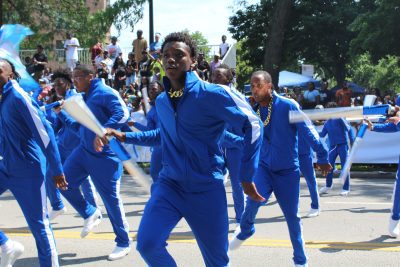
[[340, 72], [275, 39]]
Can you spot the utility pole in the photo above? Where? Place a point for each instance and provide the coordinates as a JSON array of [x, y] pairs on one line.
[[1, 12], [151, 22]]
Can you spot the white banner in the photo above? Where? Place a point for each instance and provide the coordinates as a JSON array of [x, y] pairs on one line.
[[376, 148]]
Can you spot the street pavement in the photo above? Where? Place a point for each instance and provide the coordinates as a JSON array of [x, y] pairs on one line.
[[351, 231]]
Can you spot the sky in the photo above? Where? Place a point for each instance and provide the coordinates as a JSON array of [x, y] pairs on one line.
[[210, 17]]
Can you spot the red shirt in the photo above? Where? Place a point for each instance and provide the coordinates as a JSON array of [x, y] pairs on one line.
[[343, 97]]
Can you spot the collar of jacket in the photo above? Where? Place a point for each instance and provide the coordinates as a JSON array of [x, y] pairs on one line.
[[191, 79], [93, 84], [9, 85]]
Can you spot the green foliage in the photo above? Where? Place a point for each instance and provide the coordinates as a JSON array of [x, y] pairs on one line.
[[200, 40], [378, 30], [318, 33], [51, 17], [243, 67], [383, 75]]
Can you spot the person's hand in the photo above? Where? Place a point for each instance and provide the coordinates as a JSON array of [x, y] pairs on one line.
[[251, 190], [99, 143], [324, 168], [131, 123], [60, 182], [369, 123], [394, 120], [117, 134]]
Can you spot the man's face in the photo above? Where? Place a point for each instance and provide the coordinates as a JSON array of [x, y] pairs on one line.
[[220, 76], [113, 41], [69, 36], [223, 39], [61, 86], [176, 60], [260, 88], [5, 73], [139, 34], [81, 81], [157, 37], [39, 50]]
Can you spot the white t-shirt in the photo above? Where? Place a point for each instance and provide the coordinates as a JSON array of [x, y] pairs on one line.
[[224, 48], [113, 51], [72, 50], [310, 96]]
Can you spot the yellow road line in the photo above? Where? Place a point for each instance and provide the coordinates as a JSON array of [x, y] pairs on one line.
[[258, 242]]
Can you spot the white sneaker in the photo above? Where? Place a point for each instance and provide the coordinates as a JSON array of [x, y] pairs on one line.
[[301, 265], [344, 193], [313, 213], [119, 253], [55, 213], [393, 228], [324, 190], [90, 223], [8, 259], [235, 243]]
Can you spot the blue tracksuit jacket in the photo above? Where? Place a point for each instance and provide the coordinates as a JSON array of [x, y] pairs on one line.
[[190, 136], [22, 155], [337, 130], [282, 142], [105, 104]]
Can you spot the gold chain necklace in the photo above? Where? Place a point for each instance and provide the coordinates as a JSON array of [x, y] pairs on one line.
[[175, 94], [269, 112]]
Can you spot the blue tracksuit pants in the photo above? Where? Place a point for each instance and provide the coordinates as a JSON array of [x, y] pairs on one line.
[[54, 194], [205, 212], [30, 193], [233, 160], [396, 197], [155, 163], [341, 150], [286, 187], [105, 173], [307, 169]]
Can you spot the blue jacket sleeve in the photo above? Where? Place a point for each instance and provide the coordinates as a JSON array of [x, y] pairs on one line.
[[231, 107], [116, 106], [230, 140], [147, 138], [140, 127], [42, 132], [386, 127], [68, 121], [324, 131], [349, 130], [307, 130]]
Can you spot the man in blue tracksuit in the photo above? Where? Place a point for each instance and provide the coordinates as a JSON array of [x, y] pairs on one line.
[[233, 155], [104, 168], [190, 184], [26, 143], [155, 88], [278, 168], [67, 132], [393, 125], [307, 169], [337, 131]]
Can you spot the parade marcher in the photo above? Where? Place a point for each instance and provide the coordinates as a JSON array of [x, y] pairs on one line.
[[278, 168], [67, 140], [223, 75], [391, 126], [28, 142], [337, 130], [190, 184], [307, 169], [104, 168]]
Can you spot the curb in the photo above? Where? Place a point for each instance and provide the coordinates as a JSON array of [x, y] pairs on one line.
[[365, 175]]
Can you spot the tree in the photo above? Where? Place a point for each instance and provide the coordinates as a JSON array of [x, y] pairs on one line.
[[317, 33], [275, 38], [47, 18], [200, 40], [378, 30], [383, 75]]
